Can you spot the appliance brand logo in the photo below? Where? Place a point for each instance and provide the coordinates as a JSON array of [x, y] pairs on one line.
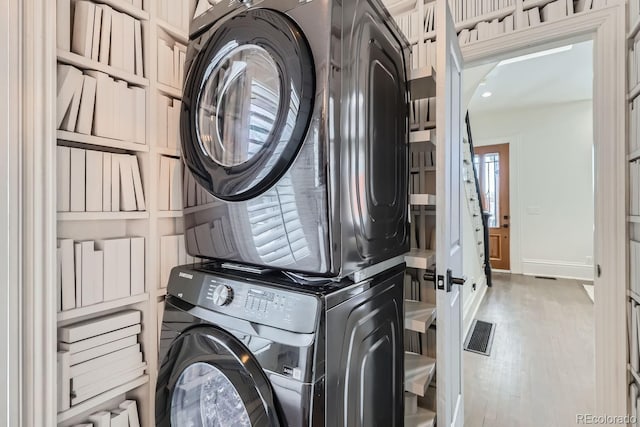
[[185, 275]]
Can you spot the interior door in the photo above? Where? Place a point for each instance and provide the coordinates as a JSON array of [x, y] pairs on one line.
[[449, 123], [492, 164]]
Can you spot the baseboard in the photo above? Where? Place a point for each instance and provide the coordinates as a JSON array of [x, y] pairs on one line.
[[562, 270], [471, 309]]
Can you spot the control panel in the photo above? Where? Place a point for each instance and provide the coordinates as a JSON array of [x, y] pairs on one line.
[[280, 308]]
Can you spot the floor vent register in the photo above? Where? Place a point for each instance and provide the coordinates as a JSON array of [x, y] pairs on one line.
[[480, 338]]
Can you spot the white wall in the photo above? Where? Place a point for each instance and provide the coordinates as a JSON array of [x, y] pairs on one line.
[[551, 183]]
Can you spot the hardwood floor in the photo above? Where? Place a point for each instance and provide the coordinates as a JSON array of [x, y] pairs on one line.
[[541, 371]]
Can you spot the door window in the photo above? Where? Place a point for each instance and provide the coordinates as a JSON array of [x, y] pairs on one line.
[[204, 397]]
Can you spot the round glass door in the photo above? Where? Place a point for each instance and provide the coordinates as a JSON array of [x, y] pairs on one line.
[[204, 397], [247, 104], [238, 105]]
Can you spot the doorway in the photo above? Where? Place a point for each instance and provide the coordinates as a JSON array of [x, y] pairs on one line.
[[531, 120], [492, 165]]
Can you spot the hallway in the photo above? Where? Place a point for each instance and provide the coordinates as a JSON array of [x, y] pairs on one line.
[[541, 368]]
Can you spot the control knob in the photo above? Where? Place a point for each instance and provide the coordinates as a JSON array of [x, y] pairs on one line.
[[222, 295]]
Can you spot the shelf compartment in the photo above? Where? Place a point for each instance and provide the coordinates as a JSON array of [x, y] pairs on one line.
[[422, 199], [126, 7], [75, 313], [420, 258], [422, 418], [176, 33], [422, 83], [99, 141], [89, 404], [497, 14], [419, 370], [88, 64], [101, 216], [171, 91], [418, 315]]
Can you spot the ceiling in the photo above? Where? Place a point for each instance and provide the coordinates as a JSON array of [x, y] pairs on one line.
[[551, 79]]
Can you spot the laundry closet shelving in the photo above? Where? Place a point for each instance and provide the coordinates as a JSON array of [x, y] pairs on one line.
[[633, 157], [417, 21], [125, 124]]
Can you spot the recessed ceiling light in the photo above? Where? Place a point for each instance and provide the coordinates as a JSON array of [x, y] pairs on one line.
[[486, 94]]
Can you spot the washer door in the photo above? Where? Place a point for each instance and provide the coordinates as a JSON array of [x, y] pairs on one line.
[[210, 379], [247, 103]]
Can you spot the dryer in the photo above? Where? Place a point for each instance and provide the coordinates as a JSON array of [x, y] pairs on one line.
[[294, 118], [255, 350]]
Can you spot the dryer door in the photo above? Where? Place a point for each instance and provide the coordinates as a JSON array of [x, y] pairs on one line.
[[208, 378], [247, 103]]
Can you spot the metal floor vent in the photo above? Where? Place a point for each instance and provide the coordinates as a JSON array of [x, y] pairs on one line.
[[545, 278], [480, 338]]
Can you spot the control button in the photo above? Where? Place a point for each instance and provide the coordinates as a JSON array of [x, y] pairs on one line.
[[222, 295]]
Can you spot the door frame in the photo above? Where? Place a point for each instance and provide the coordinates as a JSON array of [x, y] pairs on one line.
[[606, 27]]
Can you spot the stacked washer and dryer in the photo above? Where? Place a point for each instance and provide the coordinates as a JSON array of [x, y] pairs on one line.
[[294, 118]]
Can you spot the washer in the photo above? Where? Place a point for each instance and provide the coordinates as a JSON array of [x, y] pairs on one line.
[[256, 351], [294, 118]]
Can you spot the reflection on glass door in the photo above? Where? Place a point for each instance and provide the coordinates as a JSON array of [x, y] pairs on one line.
[[492, 164]]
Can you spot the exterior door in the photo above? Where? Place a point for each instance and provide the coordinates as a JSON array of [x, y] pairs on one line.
[[449, 122], [492, 164]]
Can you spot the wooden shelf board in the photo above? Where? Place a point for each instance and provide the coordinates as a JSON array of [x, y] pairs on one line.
[[422, 83], [65, 316], [170, 214], [418, 315], [634, 29], [126, 7], [199, 208], [87, 405], [175, 32], [634, 155], [634, 374], [161, 292], [633, 93], [101, 216], [422, 418], [99, 141], [470, 23], [165, 151], [634, 218], [420, 258], [419, 370], [400, 7], [634, 296], [425, 136], [529, 4], [171, 91], [88, 64], [422, 199]]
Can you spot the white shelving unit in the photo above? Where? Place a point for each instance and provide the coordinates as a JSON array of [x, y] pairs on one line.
[[150, 223], [633, 218]]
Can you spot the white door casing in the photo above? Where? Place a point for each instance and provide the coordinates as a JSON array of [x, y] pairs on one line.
[[449, 219]]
